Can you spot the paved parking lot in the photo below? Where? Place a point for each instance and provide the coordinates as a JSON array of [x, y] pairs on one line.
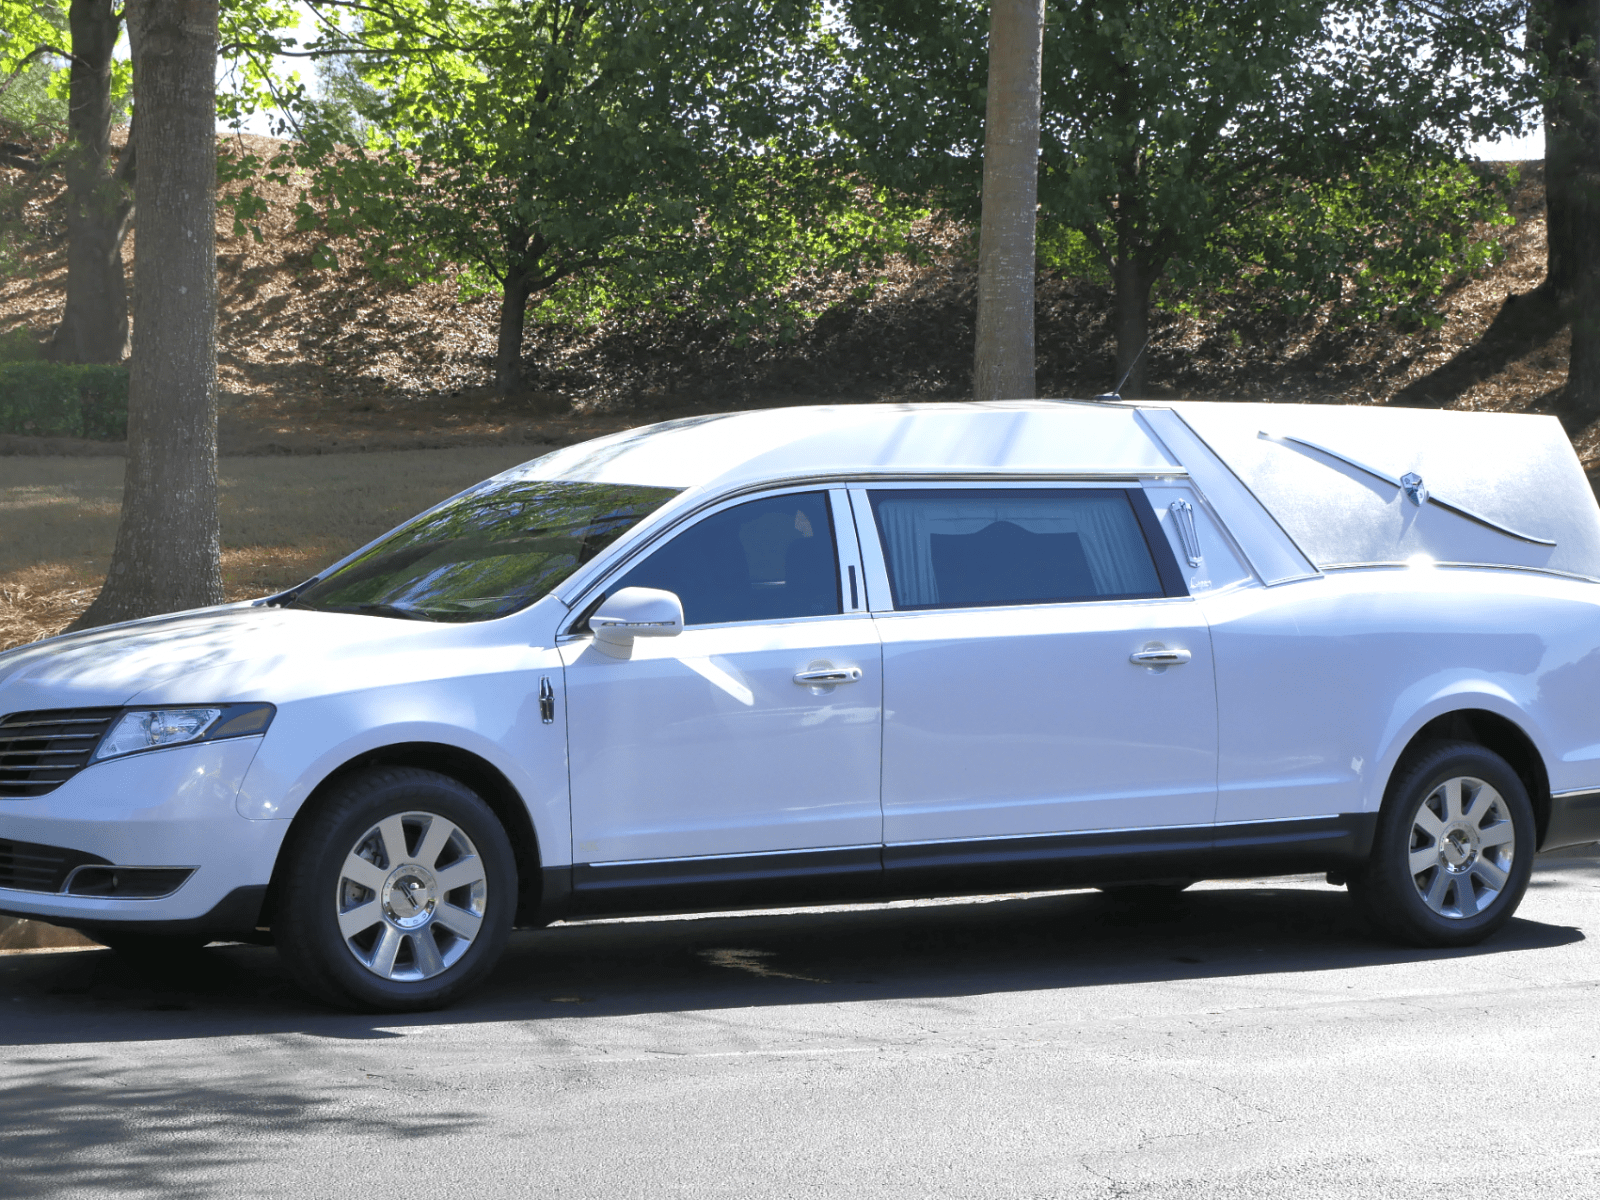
[[1253, 1041]]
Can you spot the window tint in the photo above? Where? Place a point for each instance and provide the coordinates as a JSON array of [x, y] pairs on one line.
[[492, 550], [765, 560], [948, 549]]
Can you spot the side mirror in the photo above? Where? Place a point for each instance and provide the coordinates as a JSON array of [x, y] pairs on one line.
[[635, 612]]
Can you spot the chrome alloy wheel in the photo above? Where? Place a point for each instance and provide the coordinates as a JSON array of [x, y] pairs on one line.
[[411, 896], [1462, 847]]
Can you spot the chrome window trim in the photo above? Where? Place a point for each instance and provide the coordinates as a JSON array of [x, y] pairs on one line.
[[578, 587], [1001, 608], [726, 500], [867, 528]]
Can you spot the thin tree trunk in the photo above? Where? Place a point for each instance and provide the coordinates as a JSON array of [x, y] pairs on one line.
[[1565, 31], [94, 325], [166, 554], [513, 317], [1003, 366], [1132, 281]]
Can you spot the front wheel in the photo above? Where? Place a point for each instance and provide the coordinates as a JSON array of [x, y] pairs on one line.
[[1454, 849], [398, 894]]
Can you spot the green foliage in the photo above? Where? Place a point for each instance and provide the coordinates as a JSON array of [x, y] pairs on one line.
[[1275, 141], [60, 400], [594, 155], [1380, 243], [1069, 253], [32, 44]]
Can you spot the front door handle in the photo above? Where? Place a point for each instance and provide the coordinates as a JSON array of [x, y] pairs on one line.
[[1159, 657], [828, 675]]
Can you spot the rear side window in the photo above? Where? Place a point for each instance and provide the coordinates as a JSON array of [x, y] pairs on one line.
[[769, 559], [966, 548]]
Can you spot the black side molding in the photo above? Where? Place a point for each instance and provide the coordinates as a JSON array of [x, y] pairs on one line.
[[1307, 844], [736, 881], [966, 868], [1574, 821]]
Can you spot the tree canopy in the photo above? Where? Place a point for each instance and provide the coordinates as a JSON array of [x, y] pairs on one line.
[[585, 153], [1213, 138]]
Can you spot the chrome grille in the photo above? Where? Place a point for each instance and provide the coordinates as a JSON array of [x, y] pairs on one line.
[[31, 867], [39, 751]]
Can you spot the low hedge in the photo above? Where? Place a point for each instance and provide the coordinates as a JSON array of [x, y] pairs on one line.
[[45, 399]]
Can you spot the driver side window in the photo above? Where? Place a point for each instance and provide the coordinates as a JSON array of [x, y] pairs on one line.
[[768, 559]]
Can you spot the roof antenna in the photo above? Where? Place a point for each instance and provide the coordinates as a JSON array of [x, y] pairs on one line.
[[1117, 393]]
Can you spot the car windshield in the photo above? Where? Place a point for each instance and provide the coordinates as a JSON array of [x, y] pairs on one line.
[[489, 552]]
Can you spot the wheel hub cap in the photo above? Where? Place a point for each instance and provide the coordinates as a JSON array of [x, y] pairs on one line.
[[410, 896], [1458, 849], [1462, 847]]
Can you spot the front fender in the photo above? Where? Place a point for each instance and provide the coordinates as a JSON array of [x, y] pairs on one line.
[[497, 720]]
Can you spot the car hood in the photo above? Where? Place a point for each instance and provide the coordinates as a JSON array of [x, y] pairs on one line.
[[112, 666]]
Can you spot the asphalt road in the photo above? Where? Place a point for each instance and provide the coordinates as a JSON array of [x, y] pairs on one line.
[[1253, 1041]]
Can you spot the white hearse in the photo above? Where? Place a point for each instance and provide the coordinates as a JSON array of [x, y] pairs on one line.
[[846, 653]]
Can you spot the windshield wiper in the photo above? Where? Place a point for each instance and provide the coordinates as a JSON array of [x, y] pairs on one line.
[[370, 610], [285, 599]]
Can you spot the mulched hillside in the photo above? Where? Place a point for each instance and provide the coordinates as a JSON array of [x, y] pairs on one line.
[[318, 360]]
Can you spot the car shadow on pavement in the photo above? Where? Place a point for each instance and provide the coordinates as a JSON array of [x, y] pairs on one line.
[[661, 965]]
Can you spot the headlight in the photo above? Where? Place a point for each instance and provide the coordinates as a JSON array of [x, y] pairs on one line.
[[153, 728]]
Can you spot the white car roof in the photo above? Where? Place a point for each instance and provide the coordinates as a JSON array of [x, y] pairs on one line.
[[1507, 489], [1034, 436]]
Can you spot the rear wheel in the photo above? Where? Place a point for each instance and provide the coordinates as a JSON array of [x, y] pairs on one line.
[[399, 893], [1453, 851]]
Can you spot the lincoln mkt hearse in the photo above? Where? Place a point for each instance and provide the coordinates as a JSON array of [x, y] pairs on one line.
[[817, 655]]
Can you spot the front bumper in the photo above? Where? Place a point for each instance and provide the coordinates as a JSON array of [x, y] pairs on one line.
[[161, 808]]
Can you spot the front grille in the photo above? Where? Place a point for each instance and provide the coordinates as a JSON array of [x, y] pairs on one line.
[[31, 867], [39, 751]]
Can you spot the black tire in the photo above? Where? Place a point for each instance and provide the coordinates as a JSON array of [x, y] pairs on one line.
[[1146, 895], [406, 967], [1451, 900]]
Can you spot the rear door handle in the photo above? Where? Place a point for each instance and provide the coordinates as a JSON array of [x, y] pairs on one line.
[[1159, 658], [828, 675]]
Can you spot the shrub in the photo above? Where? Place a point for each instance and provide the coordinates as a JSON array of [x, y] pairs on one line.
[[64, 400]]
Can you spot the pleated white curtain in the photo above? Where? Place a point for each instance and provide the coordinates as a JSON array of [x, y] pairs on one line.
[[1113, 544]]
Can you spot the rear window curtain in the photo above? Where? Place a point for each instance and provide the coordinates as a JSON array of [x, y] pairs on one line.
[[961, 548]]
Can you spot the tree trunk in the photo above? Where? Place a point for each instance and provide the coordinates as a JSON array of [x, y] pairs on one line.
[[94, 326], [166, 554], [1566, 32], [513, 316], [1579, 405], [1572, 183], [1003, 360], [1132, 281]]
